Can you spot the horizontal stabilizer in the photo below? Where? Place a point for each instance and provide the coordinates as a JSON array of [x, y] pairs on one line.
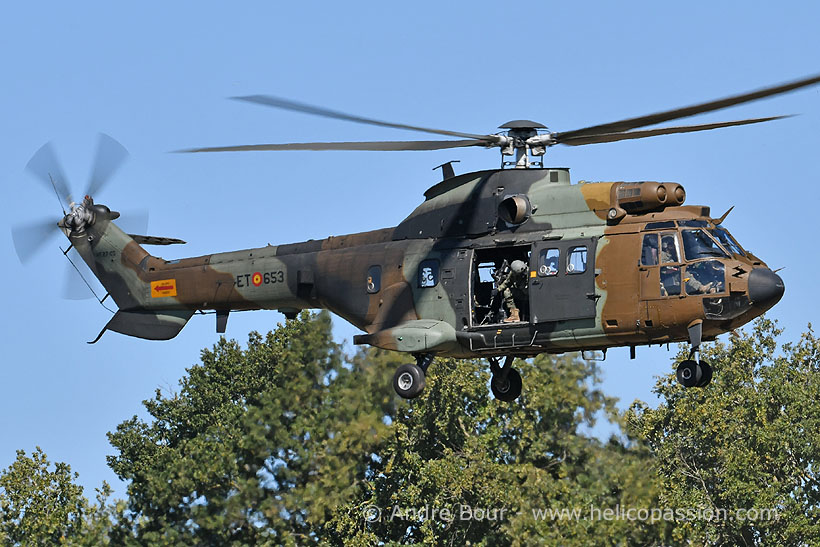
[[152, 240], [149, 325]]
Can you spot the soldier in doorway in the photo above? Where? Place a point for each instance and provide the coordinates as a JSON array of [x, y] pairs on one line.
[[512, 286]]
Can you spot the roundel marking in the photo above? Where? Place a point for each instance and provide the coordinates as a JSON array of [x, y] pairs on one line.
[[256, 279]]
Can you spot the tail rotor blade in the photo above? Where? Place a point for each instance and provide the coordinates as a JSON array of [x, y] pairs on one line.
[[45, 166], [74, 288], [134, 221], [30, 238], [111, 155]]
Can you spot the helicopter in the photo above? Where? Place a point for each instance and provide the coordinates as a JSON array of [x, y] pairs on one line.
[[599, 264]]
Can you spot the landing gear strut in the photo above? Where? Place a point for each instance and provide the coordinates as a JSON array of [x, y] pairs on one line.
[[408, 381], [506, 381], [693, 373]]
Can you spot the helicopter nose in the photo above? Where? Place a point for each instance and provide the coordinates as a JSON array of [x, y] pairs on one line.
[[765, 288]]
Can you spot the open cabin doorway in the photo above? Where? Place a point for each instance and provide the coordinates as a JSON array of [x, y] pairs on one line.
[[490, 266]]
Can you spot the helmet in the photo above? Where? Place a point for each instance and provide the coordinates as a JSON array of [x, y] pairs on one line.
[[518, 266]]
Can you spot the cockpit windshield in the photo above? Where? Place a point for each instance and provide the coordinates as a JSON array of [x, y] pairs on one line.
[[697, 244], [727, 240]]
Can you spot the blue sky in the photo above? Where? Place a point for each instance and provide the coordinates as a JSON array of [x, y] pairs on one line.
[[155, 76]]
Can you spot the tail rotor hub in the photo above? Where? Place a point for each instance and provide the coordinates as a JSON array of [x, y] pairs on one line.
[[81, 216], [76, 218]]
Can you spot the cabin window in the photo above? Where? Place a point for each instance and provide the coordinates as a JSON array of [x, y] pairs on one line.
[[670, 280], [548, 262], [374, 279], [577, 260], [428, 273], [649, 253]]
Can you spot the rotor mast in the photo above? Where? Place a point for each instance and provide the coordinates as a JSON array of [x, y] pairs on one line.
[[523, 140]]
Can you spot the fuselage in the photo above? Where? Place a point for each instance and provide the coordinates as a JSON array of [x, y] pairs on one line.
[[593, 281]]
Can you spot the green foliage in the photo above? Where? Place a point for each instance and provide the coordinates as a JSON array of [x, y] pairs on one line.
[[287, 442], [258, 445], [43, 507], [461, 468], [750, 441]]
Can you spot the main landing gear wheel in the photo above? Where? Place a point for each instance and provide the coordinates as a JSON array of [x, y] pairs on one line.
[[694, 374], [409, 381], [506, 382], [506, 389]]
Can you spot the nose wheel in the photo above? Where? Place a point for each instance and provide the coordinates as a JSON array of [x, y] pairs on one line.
[[693, 373]]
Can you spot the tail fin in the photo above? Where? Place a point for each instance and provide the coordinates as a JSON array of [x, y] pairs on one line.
[[118, 261]]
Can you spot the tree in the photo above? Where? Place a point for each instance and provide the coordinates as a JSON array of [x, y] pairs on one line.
[[43, 507], [461, 468], [742, 454], [258, 445], [285, 442]]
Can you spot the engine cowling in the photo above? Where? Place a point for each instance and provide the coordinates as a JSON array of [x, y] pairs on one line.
[[642, 197]]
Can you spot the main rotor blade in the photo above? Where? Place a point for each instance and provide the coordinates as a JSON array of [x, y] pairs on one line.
[[45, 166], [286, 104], [31, 237], [612, 137], [374, 146], [110, 157], [659, 117]]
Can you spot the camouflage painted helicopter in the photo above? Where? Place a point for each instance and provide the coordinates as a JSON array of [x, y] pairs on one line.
[[607, 264]]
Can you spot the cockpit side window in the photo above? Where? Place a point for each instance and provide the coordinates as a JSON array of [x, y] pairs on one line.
[[727, 240], [697, 244], [663, 225], [649, 252], [669, 248], [670, 280], [706, 277], [692, 223]]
